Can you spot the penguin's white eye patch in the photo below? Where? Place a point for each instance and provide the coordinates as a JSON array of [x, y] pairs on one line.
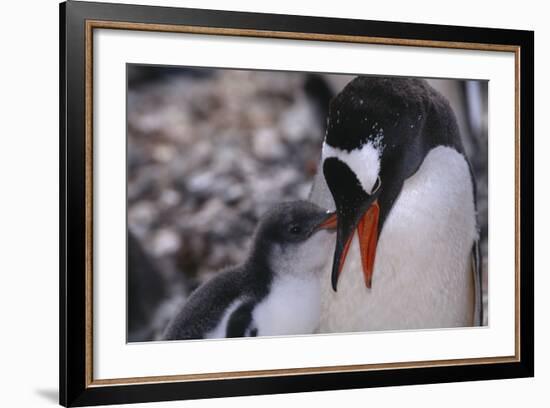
[[364, 161]]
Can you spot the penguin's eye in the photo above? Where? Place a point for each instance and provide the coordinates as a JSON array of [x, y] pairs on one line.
[[295, 229]]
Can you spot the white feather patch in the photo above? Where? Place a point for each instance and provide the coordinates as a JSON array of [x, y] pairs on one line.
[[292, 307], [363, 161]]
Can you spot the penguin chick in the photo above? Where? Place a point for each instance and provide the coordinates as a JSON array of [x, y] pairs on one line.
[[276, 291]]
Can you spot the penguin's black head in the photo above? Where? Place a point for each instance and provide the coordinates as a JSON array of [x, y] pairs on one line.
[[386, 112], [289, 239], [373, 141], [293, 222]]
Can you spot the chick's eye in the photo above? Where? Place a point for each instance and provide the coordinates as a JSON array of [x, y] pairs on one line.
[[295, 229]]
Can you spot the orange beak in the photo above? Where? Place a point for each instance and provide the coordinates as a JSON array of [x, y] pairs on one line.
[[367, 231], [358, 211]]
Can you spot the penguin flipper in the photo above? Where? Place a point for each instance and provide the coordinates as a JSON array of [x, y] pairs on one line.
[[478, 289], [240, 324]]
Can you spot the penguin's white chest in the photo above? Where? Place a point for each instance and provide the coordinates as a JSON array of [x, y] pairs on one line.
[[422, 273], [293, 306]]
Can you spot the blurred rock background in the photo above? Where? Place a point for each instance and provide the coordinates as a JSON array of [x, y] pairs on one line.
[[209, 150]]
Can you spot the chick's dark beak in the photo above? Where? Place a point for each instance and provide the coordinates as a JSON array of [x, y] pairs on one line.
[[356, 210]]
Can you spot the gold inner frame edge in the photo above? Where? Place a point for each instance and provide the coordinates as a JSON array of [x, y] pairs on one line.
[[92, 24]]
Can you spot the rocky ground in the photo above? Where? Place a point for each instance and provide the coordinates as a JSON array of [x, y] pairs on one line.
[[208, 152]]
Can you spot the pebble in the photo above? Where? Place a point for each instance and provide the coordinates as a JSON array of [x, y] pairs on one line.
[[267, 144]]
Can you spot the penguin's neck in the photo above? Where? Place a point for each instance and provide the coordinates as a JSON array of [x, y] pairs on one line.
[[422, 274], [293, 303], [258, 270]]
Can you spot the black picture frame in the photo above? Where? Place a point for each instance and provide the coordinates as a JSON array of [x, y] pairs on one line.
[[76, 385]]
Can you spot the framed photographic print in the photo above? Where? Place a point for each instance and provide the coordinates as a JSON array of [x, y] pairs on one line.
[[255, 203]]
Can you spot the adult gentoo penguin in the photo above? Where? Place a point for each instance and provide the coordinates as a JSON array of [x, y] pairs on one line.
[[276, 291], [393, 166]]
